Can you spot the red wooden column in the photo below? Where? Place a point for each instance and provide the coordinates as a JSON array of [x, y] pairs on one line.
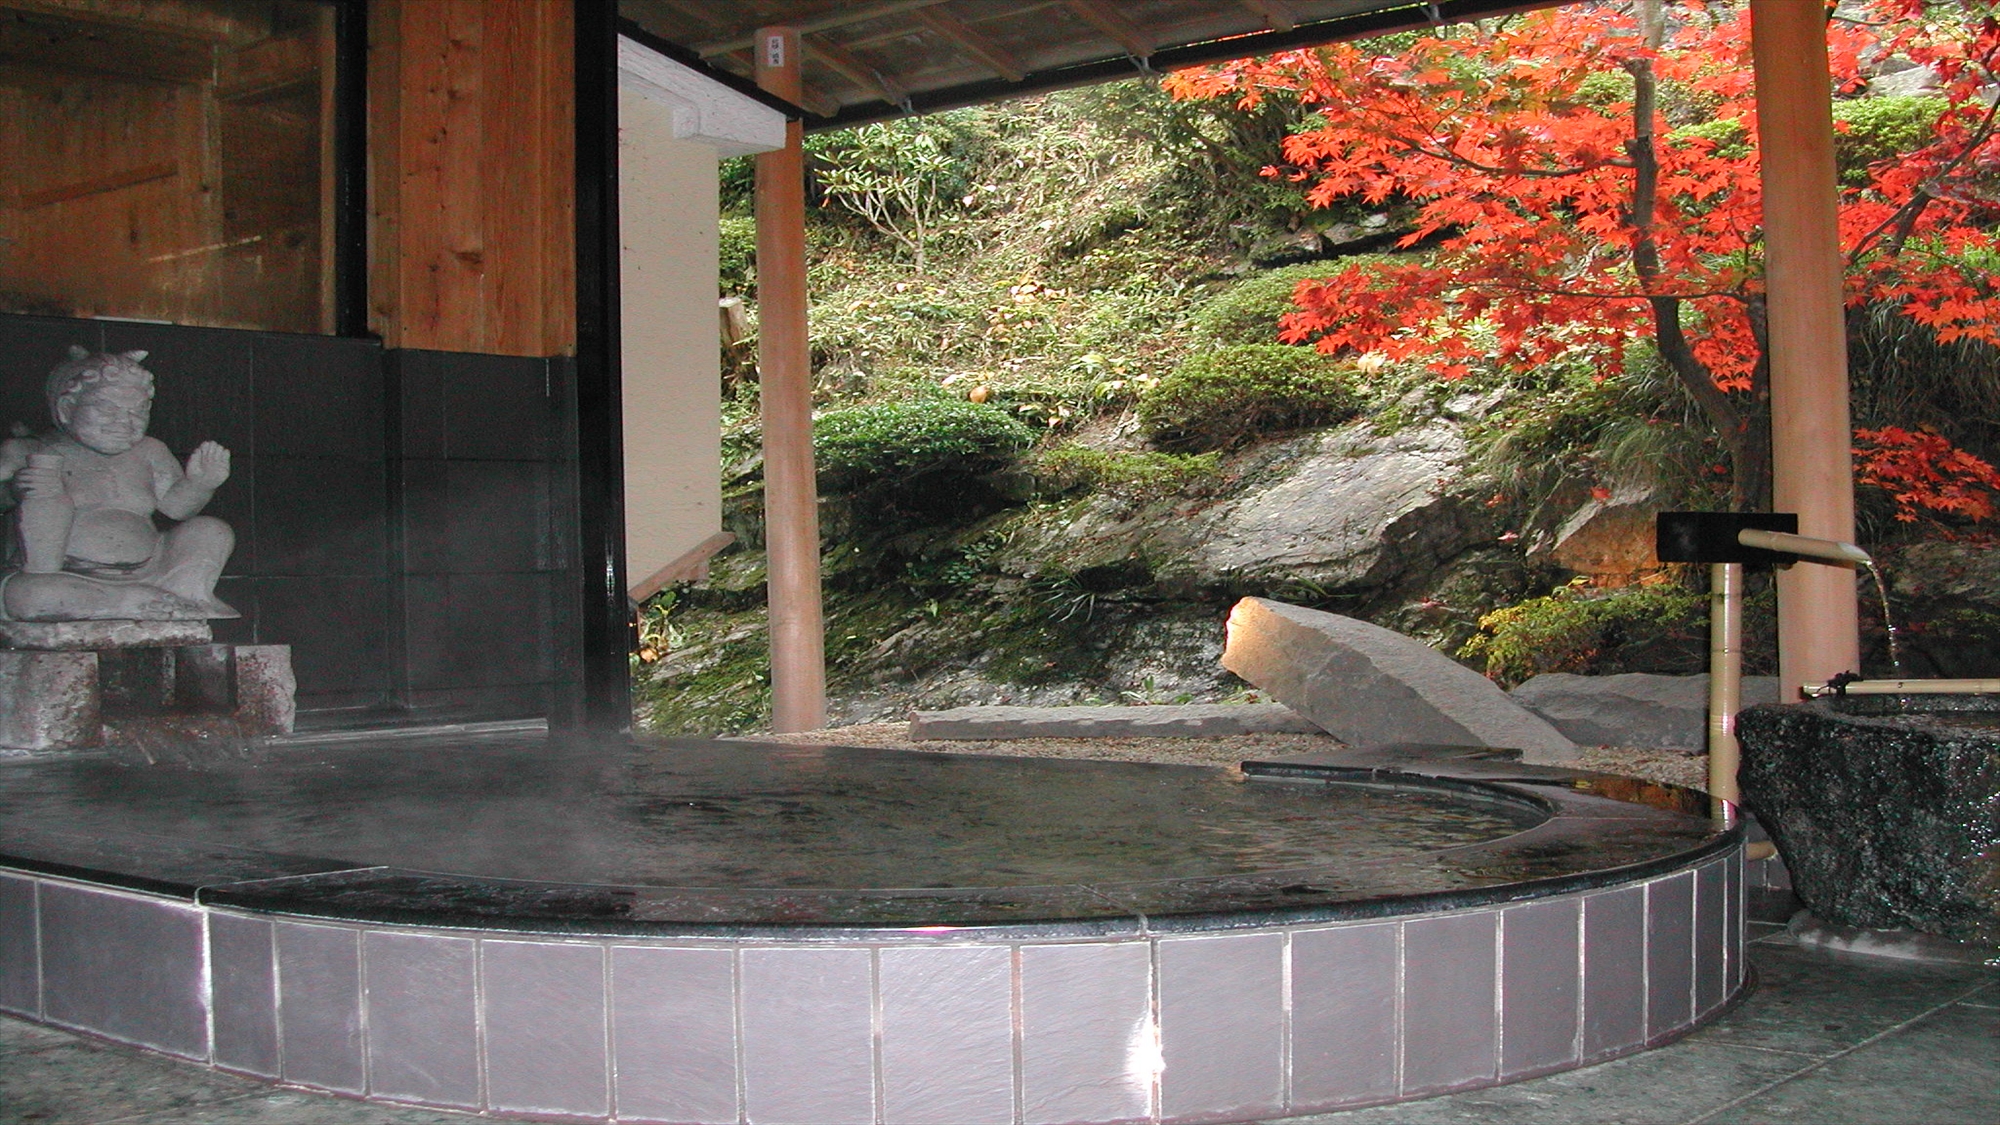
[[784, 365], [1811, 460]]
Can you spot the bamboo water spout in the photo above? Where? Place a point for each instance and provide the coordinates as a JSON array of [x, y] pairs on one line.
[[1820, 550], [1725, 652]]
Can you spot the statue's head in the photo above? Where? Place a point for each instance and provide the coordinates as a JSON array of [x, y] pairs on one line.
[[102, 400]]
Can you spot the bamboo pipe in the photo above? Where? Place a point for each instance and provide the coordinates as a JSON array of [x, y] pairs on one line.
[[1824, 550], [1725, 677], [1909, 687], [1725, 645]]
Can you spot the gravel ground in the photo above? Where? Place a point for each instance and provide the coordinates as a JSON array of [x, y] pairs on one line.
[[1670, 766]]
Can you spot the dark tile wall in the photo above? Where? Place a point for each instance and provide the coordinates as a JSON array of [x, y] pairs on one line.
[[404, 519]]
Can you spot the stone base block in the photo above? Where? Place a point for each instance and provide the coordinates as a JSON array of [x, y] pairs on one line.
[[266, 690], [61, 700], [81, 636], [1194, 720], [49, 701]]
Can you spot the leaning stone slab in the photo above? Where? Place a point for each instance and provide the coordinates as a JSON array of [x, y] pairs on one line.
[[90, 636], [1193, 720], [48, 700], [1367, 686], [1634, 708]]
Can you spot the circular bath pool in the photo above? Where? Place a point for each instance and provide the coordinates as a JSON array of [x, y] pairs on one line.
[[702, 931]]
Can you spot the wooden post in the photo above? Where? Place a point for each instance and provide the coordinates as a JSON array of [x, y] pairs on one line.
[[1811, 460], [784, 364]]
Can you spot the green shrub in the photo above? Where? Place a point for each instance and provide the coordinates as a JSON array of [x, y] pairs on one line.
[[736, 254], [1248, 311], [1128, 472], [1880, 129], [1730, 138], [891, 442], [1225, 398], [1568, 630]]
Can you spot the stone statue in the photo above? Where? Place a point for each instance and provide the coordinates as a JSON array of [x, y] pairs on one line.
[[83, 545]]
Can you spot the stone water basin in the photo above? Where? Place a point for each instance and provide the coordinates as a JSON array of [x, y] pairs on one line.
[[1886, 808]]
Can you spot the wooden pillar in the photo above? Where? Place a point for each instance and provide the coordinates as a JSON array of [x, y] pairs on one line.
[[1811, 462], [784, 364]]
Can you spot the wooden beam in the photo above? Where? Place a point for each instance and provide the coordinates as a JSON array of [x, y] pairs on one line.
[[271, 69], [234, 24], [836, 15], [96, 185], [691, 566], [784, 364], [850, 66], [94, 48], [1114, 25], [1811, 460], [1277, 15], [975, 43]]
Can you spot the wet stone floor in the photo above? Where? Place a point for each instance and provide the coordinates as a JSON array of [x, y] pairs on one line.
[[1826, 1039]]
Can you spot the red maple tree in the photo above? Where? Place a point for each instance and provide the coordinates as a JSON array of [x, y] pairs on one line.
[[1587, 176]]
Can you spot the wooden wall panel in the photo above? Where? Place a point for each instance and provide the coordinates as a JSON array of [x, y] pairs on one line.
[[472, 239], [163, 164], [117, 158]]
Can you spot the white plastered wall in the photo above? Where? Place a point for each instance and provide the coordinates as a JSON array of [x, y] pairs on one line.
[[674, 125]]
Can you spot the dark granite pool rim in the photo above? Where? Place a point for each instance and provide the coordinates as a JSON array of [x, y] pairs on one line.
[[1567, 853]]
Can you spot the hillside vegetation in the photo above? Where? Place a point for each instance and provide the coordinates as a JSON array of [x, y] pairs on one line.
[[1058, 435]]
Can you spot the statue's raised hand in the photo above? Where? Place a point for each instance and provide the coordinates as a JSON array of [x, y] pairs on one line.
[[208, 466]]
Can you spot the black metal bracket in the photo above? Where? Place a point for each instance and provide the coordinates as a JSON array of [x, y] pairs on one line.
[[1710, 537]]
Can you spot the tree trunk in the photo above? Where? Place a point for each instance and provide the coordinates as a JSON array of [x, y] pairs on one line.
[[1745, 434]]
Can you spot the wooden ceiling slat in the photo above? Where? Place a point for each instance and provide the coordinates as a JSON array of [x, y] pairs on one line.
[[1109, 20], [1276, 15], [853, 68], [975, 43], [873, 59], [839, 17]]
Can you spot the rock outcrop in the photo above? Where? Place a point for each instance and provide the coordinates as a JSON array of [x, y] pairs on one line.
[[1368, 686], [1633, 708]]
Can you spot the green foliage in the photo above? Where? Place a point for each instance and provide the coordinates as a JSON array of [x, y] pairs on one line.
[[736, 254], [955, 570], [1563, 426], [903, 177], [1225, 398], [1568, 629], [1730, 138], [1248, 311], [1870, 130], [1134, 474], [888, 442], [1200, 163]]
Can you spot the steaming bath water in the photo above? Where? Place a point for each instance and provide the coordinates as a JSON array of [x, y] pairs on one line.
[[707, 814]]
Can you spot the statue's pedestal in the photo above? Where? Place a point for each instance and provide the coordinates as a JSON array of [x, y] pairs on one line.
[[61, 682]]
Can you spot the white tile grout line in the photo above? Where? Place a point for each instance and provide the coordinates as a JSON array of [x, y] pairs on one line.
[[1837, 1055]]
